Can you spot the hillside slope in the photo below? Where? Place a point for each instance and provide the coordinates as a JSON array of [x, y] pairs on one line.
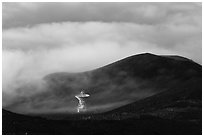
[[115, 85]]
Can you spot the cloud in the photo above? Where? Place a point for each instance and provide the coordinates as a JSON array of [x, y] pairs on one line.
[[73, 35], [30, 14]]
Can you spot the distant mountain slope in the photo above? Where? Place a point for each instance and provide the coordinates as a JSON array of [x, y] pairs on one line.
[[123, 82], [190, 90]]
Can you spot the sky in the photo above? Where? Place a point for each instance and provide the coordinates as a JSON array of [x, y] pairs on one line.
[[43, 38]]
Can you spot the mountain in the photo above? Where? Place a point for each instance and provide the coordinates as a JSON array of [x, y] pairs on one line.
[[141, 94], [120, 83]]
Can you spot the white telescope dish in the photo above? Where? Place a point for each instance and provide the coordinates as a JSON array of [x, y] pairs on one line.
[[82, 104]]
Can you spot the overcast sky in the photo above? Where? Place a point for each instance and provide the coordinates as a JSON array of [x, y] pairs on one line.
[[42, 38]]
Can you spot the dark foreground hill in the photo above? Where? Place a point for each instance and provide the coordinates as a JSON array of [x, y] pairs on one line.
[[15, 124], [141, 94]]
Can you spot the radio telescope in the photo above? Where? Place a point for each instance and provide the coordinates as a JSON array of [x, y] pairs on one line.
[[81, 105]]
